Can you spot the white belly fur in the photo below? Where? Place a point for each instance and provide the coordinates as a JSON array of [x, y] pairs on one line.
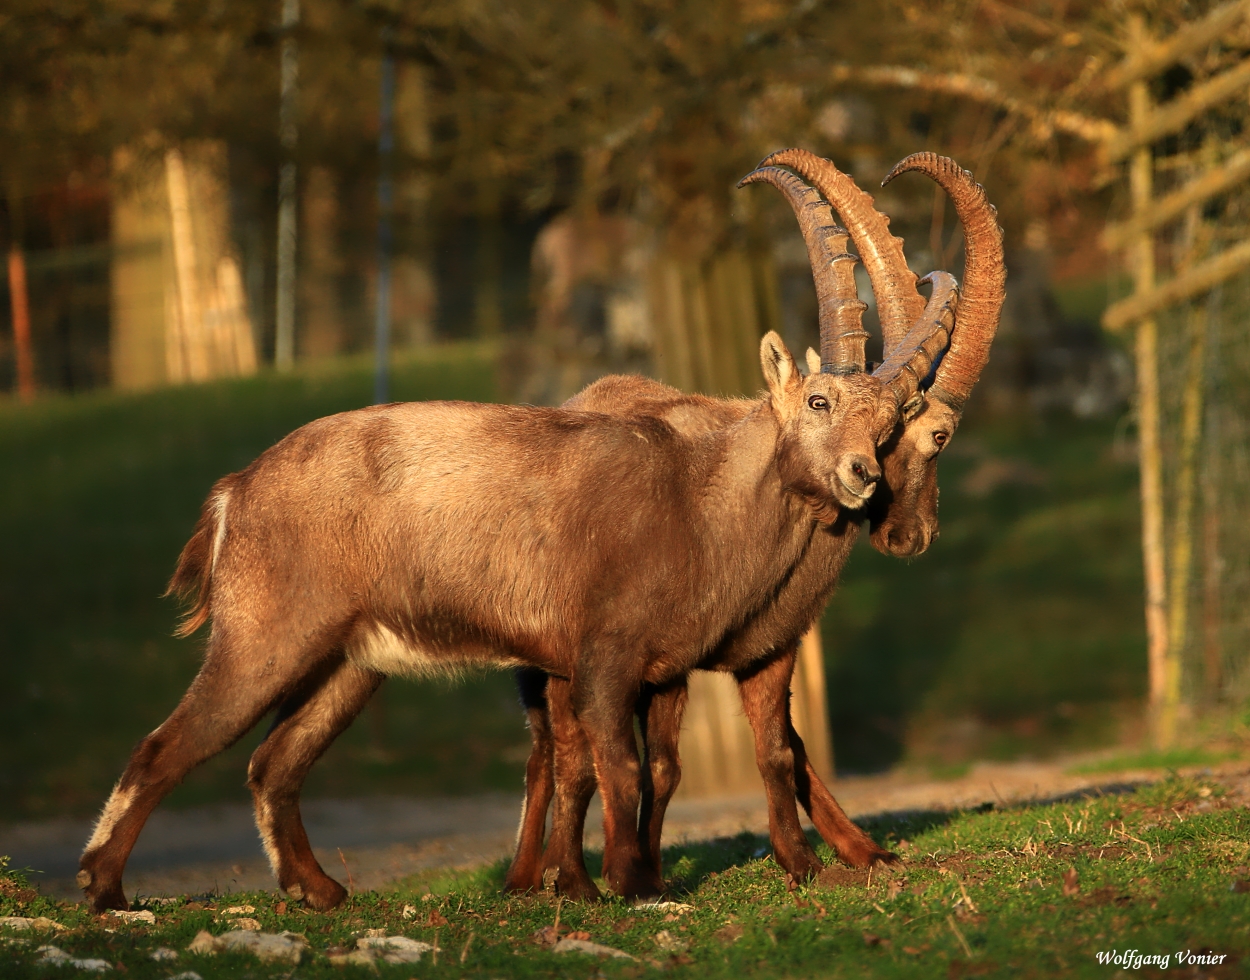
[[379, 649]]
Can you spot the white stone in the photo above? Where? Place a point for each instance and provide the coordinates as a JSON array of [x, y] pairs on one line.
[[58, 957], [143, 915], [287, 947], [20, 922], [589, 948], [394, 949]]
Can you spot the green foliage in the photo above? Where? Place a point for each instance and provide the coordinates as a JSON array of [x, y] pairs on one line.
[[1027, 891]]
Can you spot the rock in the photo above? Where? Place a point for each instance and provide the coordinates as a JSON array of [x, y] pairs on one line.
[[357, 957], [19, 922], [204, 942], [143, 915], [58, 957], [410, 912], [589, 948], [285, 947], [680, 908], [393, 949], [186, 975], [669, 943], [249, 925], [239, 910], [163, 954]]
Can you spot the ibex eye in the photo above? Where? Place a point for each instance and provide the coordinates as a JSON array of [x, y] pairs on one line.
[[818, 402], [940, 438]]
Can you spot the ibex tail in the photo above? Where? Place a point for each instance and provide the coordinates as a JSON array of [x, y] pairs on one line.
[[194, 573]]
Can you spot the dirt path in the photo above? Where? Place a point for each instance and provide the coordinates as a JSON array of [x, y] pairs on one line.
[[204, 849]]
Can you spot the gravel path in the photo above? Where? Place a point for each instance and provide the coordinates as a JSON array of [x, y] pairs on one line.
[[203, 849]]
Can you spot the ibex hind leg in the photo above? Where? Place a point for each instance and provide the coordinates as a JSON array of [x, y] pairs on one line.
[[526, 872], [306, 724], [231, 693]]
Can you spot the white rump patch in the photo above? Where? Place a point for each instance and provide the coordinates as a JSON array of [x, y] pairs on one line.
[[118, 803], [220, 502]]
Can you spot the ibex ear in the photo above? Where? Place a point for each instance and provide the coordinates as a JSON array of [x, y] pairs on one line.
[[780, 372], [912, 407], [813, 362]]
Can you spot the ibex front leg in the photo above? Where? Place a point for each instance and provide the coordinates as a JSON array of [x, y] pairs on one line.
[[574, 786], [765, 695], [660, 712], [305, 726], [605, 692]]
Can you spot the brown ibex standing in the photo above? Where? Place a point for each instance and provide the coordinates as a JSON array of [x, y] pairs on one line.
[[410, 538], [903, 512]]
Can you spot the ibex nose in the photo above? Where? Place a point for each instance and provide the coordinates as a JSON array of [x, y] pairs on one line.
[[863, 474]]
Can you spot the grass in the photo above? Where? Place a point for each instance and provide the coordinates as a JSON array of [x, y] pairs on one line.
[[1154, 759], [1025, 891]]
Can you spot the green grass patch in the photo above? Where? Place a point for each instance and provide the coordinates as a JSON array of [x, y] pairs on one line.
[[1154, 759], [1027, 891]]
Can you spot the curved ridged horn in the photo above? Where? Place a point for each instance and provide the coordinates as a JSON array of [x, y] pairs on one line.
[[893, 284], [912, 360], [985, 275], [842, 333]]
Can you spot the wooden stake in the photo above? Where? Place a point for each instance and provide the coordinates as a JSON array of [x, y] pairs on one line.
[[19, 300], [1182, 526], [1146, 349]]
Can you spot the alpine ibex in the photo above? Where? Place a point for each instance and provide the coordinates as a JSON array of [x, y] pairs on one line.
[[903, 513], [611, 550]]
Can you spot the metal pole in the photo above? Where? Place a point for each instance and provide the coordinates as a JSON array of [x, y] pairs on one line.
[[288, 134], [386, 195]]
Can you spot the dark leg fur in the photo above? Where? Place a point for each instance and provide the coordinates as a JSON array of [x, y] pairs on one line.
[[574, 786], [604, 697], [853, 846], [660, 711], [228, 697], [526, 871], [305, 726], [766, 700]]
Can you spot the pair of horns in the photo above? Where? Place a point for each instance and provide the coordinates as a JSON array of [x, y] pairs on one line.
[[905, 316]]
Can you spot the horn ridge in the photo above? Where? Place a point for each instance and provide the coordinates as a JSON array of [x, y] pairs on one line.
[[842, 336], [985, 275], [911, 361], [893, 283]]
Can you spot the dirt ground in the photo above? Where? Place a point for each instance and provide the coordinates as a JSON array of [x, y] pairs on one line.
[[378, 841]]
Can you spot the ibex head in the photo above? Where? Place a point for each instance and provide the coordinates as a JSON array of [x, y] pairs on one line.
[[903, 512], [831, 426], [837, 418]]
